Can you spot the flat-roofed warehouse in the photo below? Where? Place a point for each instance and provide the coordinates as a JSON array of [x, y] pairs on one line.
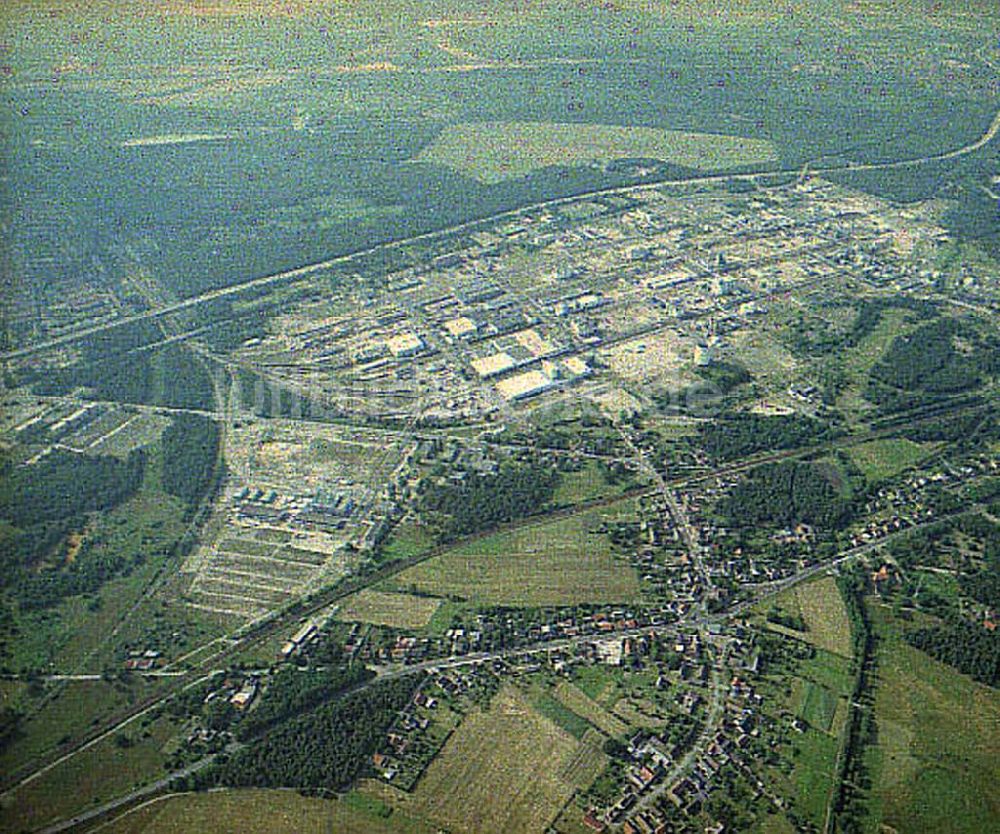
[[495, 363], [460, 326], [524, 385], [405, 344]]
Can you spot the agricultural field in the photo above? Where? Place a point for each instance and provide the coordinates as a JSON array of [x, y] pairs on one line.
[[582, 705], [819, 706], [825, 616], [504, 769], [559, 562], [814, 759], [491, 152], [881, 459], [108, 769], [264, 812], [821, 609], [937, 761], [394, 610]]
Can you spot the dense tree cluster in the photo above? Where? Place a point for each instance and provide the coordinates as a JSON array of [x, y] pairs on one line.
[[64, 485], [190, 456], [180, 380], [293, 691], [41, 504], [929, 363], [968, 647], [328, 747], [861, 730], [785, 494], [738, 435], [725, 376], [481, 502]]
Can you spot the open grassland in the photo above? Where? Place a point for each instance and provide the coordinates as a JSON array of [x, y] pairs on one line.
[[265, 812], [67, 712], [819, 705], [584, 485], [494, 151], [599, 683], [98, 774], [937, 763], [825, 616], [881, 459], [859, 359], [560, 562], [505, 769], [408, 539], [581, 704], [812, 775], [395, 610]]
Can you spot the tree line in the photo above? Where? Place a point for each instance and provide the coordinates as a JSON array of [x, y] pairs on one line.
[[482, 502], [737, 435], [190, 457], [326, 748], [785, 494], [968, 647]]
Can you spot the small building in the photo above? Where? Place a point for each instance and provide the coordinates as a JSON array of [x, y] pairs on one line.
[[524, 385], [460, 327], [494, 364], [405, 344]]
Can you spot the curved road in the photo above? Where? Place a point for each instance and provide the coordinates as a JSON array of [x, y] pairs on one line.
[[310, 269]]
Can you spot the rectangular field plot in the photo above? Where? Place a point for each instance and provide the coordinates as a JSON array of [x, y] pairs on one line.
[[884, 458], [560, 562], [578, 701], [504, 769], [825, 616], [395, 610], [819, 705], [494, 151]]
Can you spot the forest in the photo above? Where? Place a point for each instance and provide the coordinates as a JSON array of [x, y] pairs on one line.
[[295, 691], [190, 453], [929, 363], [326, 748], [65, 484], [481, 502], [738, 435], [969, 647], [785, 494]]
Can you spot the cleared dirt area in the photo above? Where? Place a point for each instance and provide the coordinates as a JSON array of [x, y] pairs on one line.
[[494, 151]]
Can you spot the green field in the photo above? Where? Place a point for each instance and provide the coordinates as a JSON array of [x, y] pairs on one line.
[[814, 760], [395, 610], [880, 459], [99, 773], [818, 707], [937, 762], [264, 812], [408, 539], [559, 562], [558, 713], [504, 769], [584, 485], [491, 152]]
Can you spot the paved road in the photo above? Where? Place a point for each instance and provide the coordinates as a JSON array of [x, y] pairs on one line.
[[314, 268]]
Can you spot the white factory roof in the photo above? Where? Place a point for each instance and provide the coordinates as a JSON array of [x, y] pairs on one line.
[[404, 343], [461, 326], [493, 364], [523, 385]]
